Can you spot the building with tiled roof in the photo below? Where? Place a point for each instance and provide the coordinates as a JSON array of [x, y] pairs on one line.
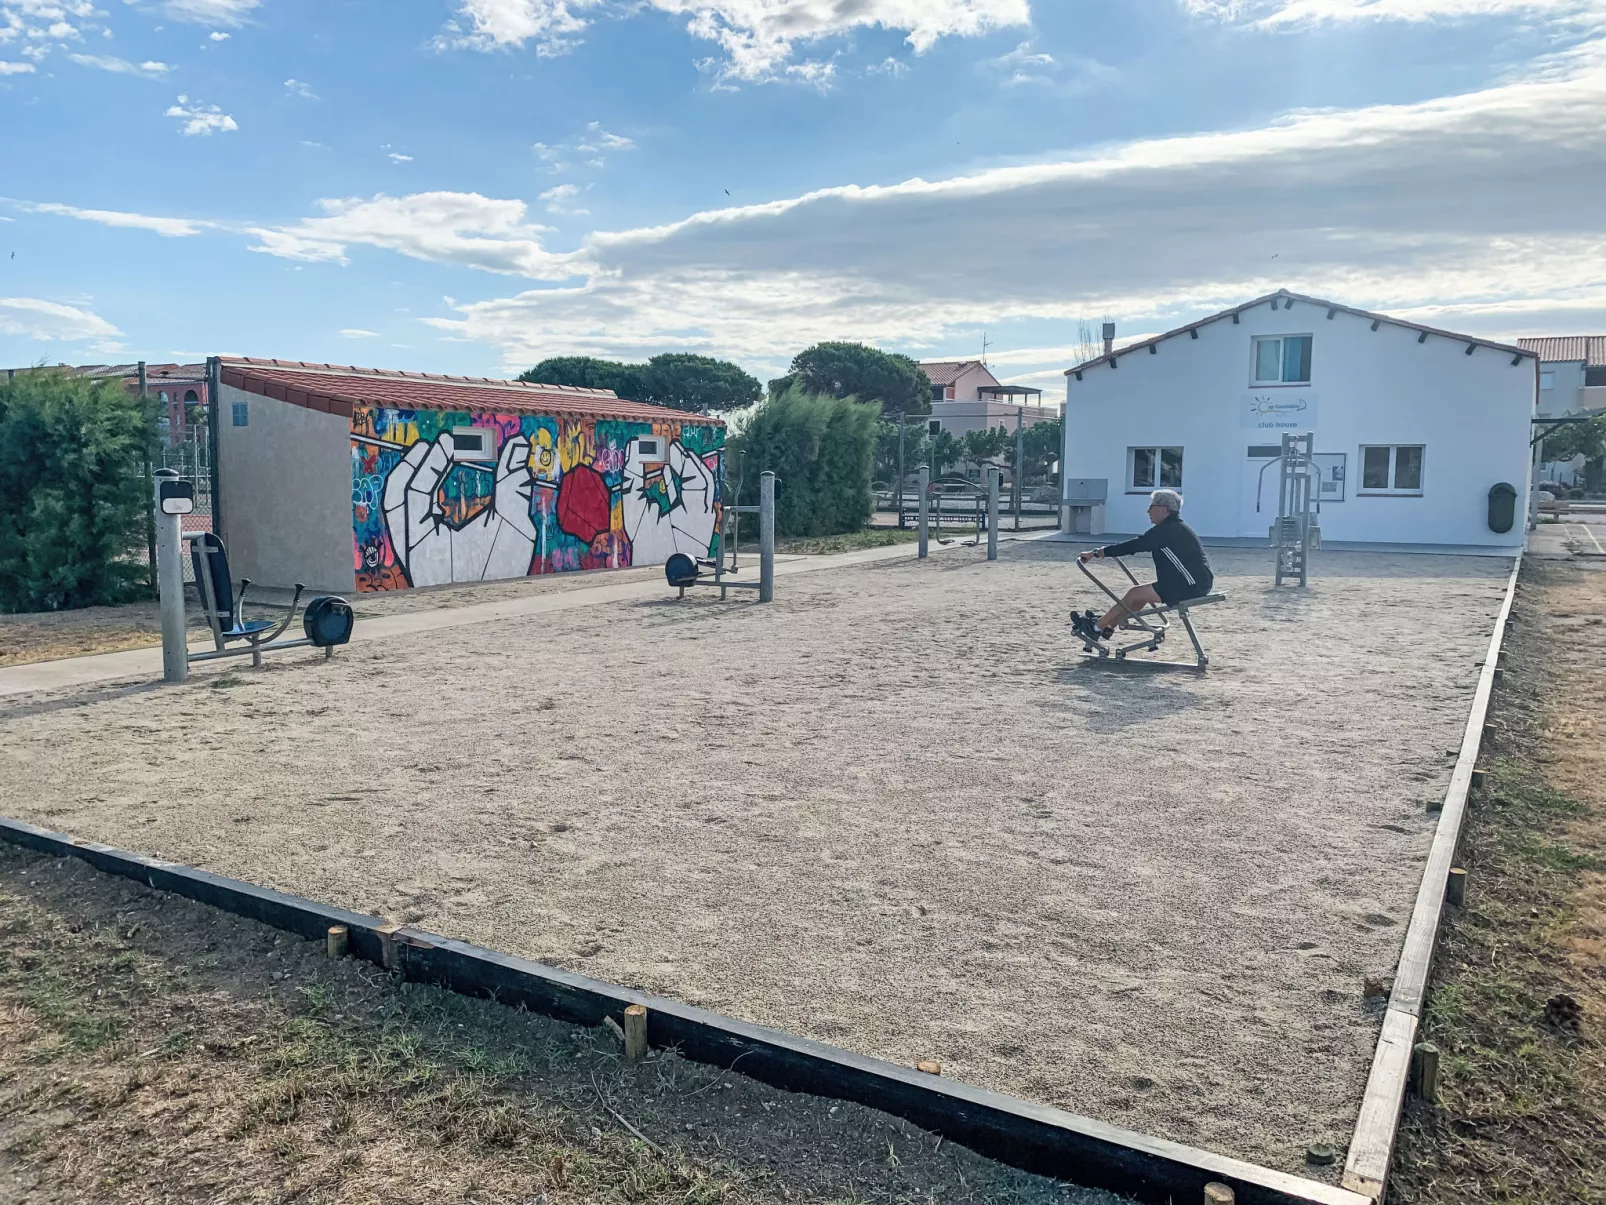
[[1572, 372], [965, 396], [356, 479]]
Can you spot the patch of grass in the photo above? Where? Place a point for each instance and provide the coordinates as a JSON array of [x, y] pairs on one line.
[[1521, 1115]]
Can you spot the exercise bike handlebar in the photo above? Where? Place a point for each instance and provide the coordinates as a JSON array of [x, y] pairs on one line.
[[1094, 578]]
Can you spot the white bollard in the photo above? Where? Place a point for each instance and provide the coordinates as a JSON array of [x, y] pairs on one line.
[[992, 514], [924, 485], [766, 537], [170, 580]]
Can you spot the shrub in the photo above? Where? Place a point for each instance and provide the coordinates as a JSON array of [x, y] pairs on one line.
[[72, 492], [821, 449]]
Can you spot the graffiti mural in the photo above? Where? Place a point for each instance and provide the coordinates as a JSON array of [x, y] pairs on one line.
[[441, 496]]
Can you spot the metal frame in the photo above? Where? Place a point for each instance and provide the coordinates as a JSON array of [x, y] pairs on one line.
[[1298, 494], [730, 521], [1151, 622]]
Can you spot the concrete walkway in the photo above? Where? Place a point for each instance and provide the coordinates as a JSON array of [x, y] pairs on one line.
[[147, 662]]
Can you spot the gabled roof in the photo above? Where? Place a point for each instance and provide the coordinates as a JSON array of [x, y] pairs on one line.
[[946, 372], [1284, 298], [1591, 349], [338, 389]]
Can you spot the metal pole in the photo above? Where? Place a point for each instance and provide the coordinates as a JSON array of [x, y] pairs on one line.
[[992, 514], [214, 416], [1533, 483], [766, 537], [170, 584], [901, 418], [1020, 459], [150, 523], [923, 484]]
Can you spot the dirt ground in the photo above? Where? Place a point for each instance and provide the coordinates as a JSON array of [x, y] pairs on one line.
[[1517, 1003], [894, 811], [160, 1051]]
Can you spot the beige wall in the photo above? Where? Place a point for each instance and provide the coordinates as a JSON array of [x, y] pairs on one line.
[[285, 481], [959, 417]]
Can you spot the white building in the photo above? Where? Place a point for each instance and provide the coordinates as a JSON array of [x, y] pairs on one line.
[[1572, 377], [965, 396], [1414, 426]]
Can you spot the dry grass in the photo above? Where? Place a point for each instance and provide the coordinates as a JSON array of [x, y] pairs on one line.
[[158, 1051], [1522, 1115]]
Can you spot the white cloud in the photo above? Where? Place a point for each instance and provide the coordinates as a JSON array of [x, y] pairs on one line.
[[758, 37], [41, 23], [211, 12], [553, 25], [444, 227], [591, 146], [1311, 12], [557, 199], [297, 88], [355, 333], [398, 158], [49, 321], [15, 68], [218, 36], [1147, 232], [106, 62], [167, 227], [201, 119]]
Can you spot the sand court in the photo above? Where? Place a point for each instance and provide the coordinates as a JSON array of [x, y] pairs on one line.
[[894, 811]]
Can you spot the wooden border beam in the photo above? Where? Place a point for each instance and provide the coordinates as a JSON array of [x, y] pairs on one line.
[[1034, 1137]]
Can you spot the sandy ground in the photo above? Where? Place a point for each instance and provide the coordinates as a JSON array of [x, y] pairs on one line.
[[894, 811]]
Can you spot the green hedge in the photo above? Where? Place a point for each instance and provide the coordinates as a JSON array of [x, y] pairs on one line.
[[821, 449], [72, 492]]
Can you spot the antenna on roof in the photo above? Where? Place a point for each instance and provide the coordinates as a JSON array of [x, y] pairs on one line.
[[984, 346]]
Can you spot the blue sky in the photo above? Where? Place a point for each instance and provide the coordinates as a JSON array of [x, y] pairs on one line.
[[467, 186]]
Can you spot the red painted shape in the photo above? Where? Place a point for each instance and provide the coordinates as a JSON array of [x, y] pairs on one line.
[[585, 504]]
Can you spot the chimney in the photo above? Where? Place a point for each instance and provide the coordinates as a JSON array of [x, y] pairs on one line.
[[1109, 337]]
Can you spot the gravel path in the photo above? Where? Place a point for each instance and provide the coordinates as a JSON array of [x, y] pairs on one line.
[[895, 811]]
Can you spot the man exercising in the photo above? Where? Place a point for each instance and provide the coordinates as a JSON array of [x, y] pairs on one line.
[[1181, 569]]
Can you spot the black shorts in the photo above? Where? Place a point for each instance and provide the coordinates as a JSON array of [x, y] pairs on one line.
[[1171, 596]]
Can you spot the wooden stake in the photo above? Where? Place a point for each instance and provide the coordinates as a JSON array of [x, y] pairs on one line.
[[1425, 1071], [1455, 890], [1478, 779], [635, 1033], [389, 956], [337, 941], [1218, 1194], [1499, 673]]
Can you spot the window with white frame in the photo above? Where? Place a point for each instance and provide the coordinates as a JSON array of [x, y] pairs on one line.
[[1391, 469], [1281, 360], [1153, 468], [1547, 380]]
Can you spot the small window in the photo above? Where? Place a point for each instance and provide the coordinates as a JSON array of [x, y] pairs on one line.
[[938, 393], [1547, 380], [1594, 376], [1282, 360], [650, 448], [242, 414], [1151, 468], [1391, 469], [1265, 452], [933, 427], [473, 443]]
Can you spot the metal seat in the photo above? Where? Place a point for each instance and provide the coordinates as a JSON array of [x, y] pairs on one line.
[[223, 604]]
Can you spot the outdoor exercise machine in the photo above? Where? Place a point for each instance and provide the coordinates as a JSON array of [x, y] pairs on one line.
[[326, 622], [1151, 624], [1298, 502], [987, 519], [684, 572]]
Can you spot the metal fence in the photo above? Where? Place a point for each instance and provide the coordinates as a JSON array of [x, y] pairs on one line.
[[189, 454]]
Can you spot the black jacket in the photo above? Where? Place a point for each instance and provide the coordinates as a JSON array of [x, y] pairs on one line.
[[1181, 569]]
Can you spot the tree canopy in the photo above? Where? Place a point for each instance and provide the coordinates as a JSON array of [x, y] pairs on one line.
[[1586, 439], [677, 380], [863, 373]]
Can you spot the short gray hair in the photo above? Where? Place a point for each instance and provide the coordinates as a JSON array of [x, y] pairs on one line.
[[1169, 499]]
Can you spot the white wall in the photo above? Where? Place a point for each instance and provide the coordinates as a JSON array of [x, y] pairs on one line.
[[285, 480], [1367, 387]]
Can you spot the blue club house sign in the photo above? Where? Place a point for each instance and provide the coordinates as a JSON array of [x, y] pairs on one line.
[[1279, 410]]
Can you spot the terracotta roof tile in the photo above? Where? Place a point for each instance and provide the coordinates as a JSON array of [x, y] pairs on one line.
[[946, 372], [1591, 349], [339, 388]]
